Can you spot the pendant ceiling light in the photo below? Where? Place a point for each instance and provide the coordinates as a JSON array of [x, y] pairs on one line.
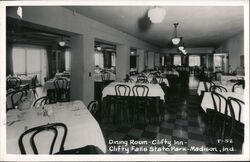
[[62, 43], [156, 15], [175, 40], [19, 11], [181, 46]]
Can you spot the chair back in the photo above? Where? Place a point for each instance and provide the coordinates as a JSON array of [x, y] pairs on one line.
[[208, 85], [140, 90], [93, 107], [142, 79], [105, 76], [238, 86], [122, 90], [40, 101], [159, 79], [62, 89], [233, 104], [219, 101], [13, 82], [33, 132], [14, 98], [217, 88], [33, 81]]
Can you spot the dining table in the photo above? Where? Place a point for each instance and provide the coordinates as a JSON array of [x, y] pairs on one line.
[[231, 77], [24, 79], [226, 84], [98, 76], [83, 129], [155, 90], [49, 84], [150, 78], [207, 103]]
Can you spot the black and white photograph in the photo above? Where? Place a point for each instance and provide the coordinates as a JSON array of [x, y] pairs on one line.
[[138, 80]]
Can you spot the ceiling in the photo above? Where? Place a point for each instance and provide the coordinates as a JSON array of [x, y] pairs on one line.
[[23, 32], [200, 26]]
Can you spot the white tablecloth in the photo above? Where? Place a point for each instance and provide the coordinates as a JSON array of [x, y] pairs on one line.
[[24, 79], [207, 103], [83, 129], [231, 77], [98, 77], [227, 85], [173, 72], [165, 80], [49, 84], [155, 90]]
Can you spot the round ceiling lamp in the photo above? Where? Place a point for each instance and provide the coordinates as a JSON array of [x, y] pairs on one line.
[[62, 43], [99, 48], [156, 15], [175, 40]]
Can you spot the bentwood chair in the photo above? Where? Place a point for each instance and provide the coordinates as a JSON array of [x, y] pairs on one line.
[[217, 88], [128, 79], [62, 89], [33, 85], [105, 76], [238, 86], [142, 79], [233, 126], [41, 101], [16, 98], [93, 107], [53, 127], [13, 82], [141, 100], [216, 116], [122, 101]]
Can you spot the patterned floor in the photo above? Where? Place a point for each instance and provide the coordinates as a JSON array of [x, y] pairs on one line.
[[181, 132]]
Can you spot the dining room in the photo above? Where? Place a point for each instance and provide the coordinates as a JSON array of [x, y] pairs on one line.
[[140, 79]]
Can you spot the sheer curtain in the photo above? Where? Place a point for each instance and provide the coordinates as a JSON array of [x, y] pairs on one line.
[[30, 60], [194, 60], [177, 60]]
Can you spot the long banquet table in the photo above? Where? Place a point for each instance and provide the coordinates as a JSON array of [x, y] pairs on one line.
[[207, 103], [83, 129]]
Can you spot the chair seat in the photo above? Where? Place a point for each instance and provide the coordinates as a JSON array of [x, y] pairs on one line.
[[89, 149]]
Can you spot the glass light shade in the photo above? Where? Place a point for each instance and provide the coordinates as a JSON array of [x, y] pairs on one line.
[[156, 15], [176, 41], [99, 48], [61, 43], [20, 12], [181, 48]]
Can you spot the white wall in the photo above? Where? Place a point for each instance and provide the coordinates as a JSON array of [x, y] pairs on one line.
[[235, 47]]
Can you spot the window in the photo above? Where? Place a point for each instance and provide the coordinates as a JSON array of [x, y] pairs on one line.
[[177, 60], [30, 60], [194, 60], [67, 60], [113, 59], [99, 60]]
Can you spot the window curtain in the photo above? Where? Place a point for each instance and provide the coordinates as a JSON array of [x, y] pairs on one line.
[[50, 62], [9, 60], [61, 59], [45, 69]]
